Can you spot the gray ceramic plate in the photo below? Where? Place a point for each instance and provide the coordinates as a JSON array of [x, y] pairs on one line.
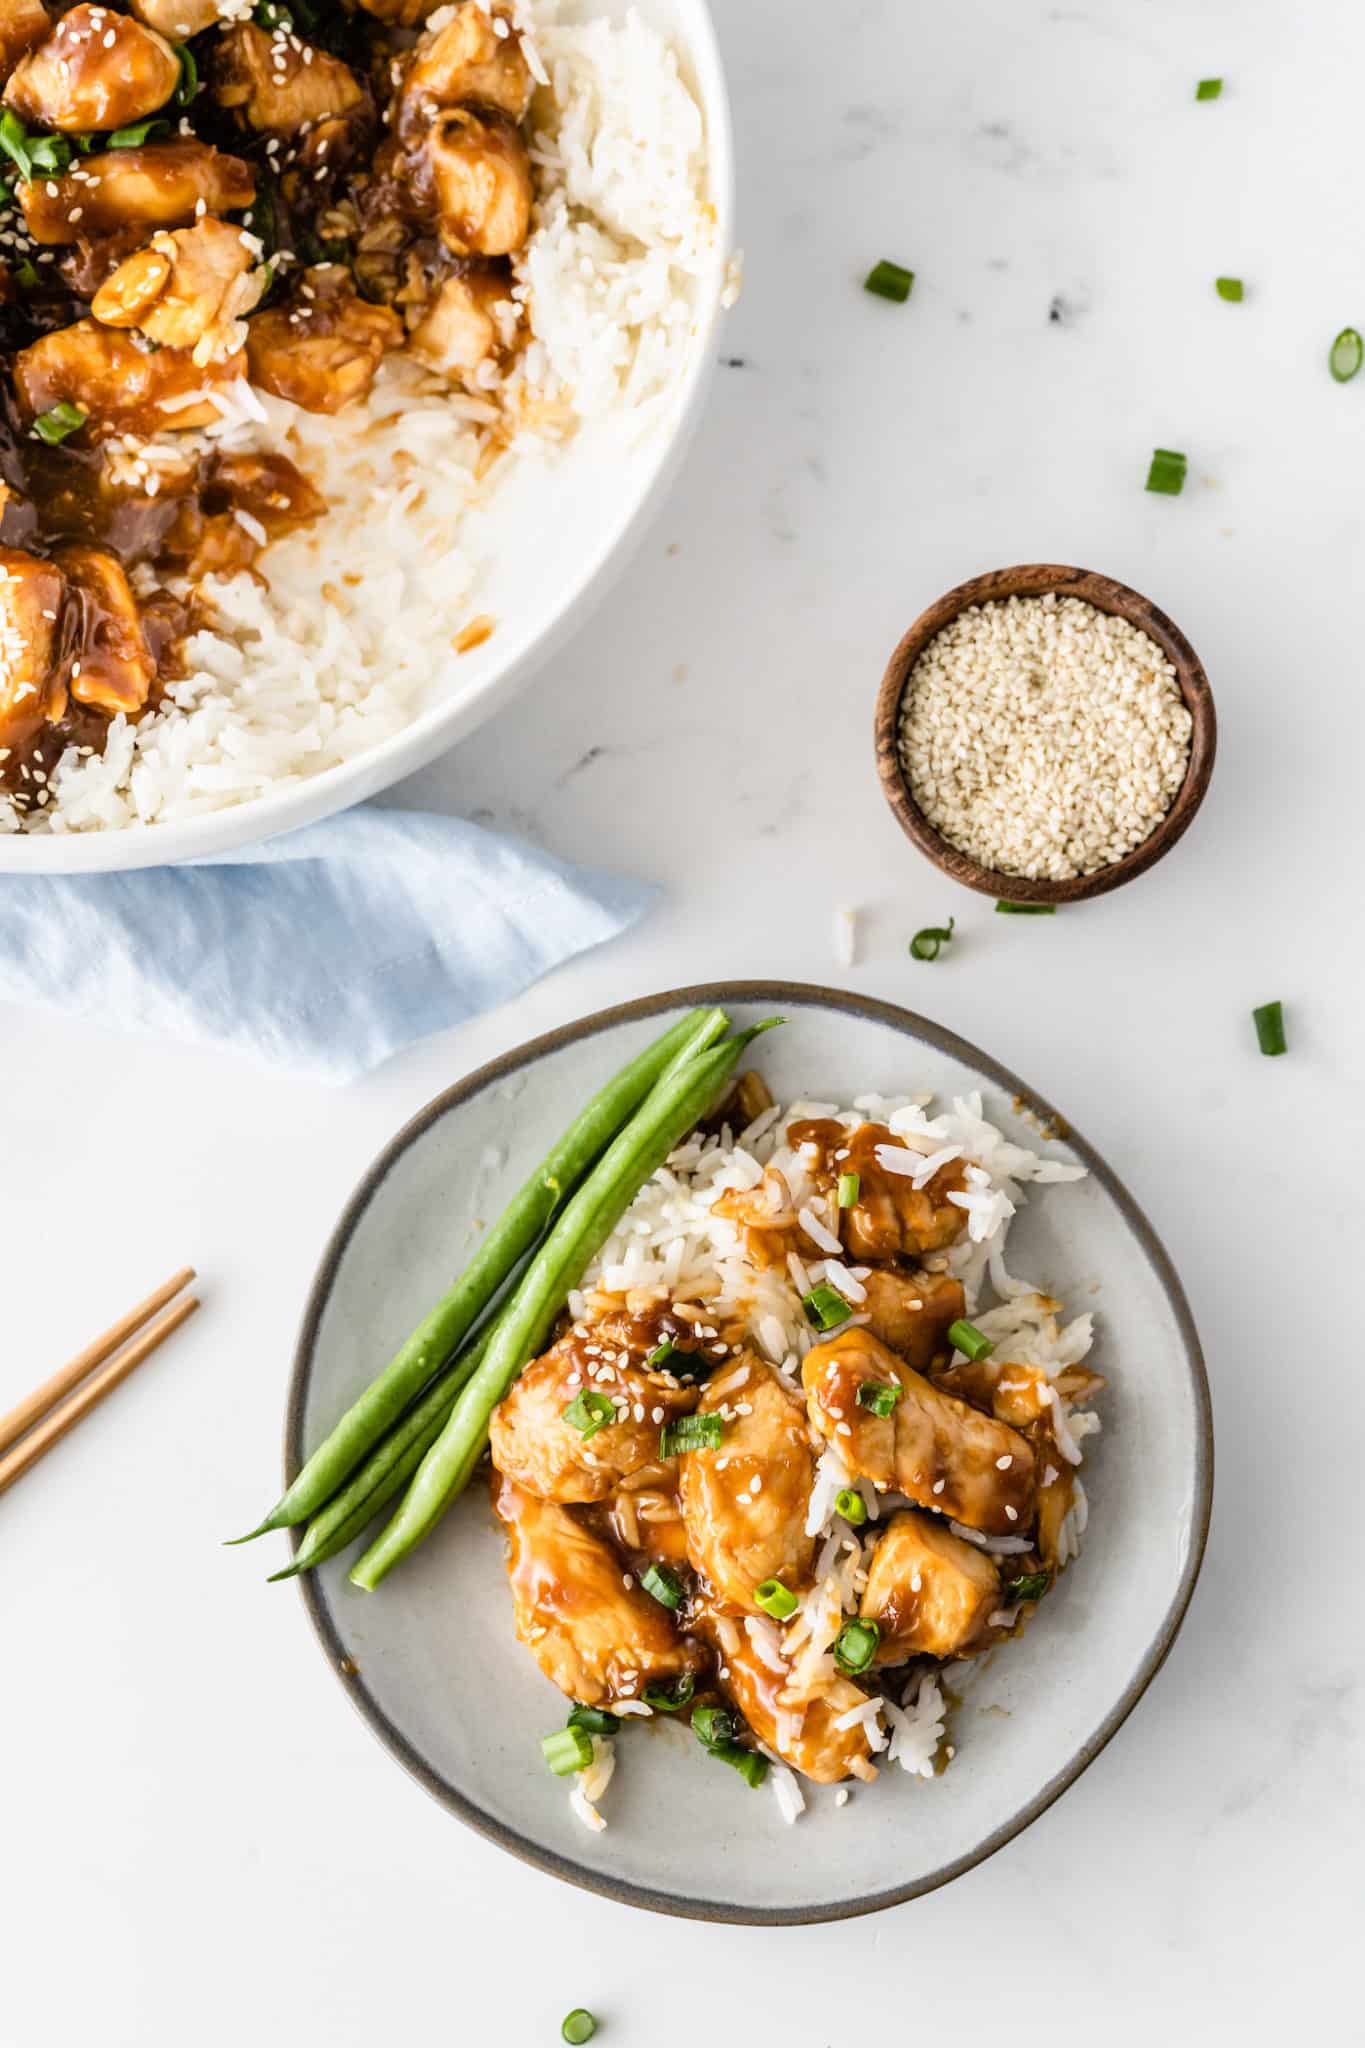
[[431, 1661]]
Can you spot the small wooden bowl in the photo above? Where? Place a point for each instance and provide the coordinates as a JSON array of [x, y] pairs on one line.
[[1037, 579]]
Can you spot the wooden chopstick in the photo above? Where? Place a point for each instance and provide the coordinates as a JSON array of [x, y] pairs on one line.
[[35, 1405], [65, 1417]]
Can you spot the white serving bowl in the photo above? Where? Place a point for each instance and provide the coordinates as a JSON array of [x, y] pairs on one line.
[[563, 532]]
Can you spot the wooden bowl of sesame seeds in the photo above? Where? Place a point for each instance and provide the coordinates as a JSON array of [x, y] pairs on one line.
[[1038, 753]]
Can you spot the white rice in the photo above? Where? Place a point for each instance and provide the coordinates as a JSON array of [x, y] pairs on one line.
[[338, 653], [671, 1246]]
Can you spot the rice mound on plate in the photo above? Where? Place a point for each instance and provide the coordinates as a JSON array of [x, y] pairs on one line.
[[669, 1245], [334, 651]]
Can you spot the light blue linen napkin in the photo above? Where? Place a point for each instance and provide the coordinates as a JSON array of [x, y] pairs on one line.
[[325, 950]]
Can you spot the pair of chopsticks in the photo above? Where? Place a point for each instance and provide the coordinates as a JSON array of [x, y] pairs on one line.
[[43, 1417]]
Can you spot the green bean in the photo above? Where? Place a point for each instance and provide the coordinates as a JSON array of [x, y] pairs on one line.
[[389, 1466], [332, 1530], [678, 1101], [440, 1333]]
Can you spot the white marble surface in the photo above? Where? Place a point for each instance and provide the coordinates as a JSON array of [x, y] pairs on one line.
[[201, 1843]]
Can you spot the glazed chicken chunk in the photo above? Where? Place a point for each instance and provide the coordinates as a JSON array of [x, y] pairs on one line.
[[277, 84], [911, 1313], [598, 1639], [188, 288], [323, 346], [930, 1593], [930, 1447], [536, 1446], [160, 185], [23, 25], [802, 1731], [1018, 1394], [97, 70], [744, 1503], [892, 1217], [115, 669], [465, 62], [32, 593], [480, 178], [472, 320], [206, 538], [120, 385]]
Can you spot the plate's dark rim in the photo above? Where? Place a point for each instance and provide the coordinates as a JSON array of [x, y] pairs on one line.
[[789, 995]]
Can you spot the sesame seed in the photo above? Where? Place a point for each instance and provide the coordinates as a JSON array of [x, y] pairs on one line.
[[1003, 1464], [1012, 1514], [939, 1485], [1043, 737]]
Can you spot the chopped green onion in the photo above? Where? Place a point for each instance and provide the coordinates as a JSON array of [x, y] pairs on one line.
[[567, 1750], [64, 419], [663, 1586], [969, 1340], [776, 1599], [926, 944], [826, 1307], [1269, 1021], [1167, 472], [682, 1364], [713, 1725], [1346, 355], [856, 1646], [14, 142], [1209, 89], [889, 281], [1230, 288], [1031, 1586], [588, 1412], [850, 1187], [49, 153], [1007, 909], [596, 1720], [579, 2026], [189, 75], [668, 1699], [752, 1767], [849, 1503], [878, 1398], [691, 1433], [134, 137], [27, 274]]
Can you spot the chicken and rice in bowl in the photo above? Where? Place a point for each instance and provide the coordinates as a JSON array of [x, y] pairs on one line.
[[287, 290], [803, 1448]]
